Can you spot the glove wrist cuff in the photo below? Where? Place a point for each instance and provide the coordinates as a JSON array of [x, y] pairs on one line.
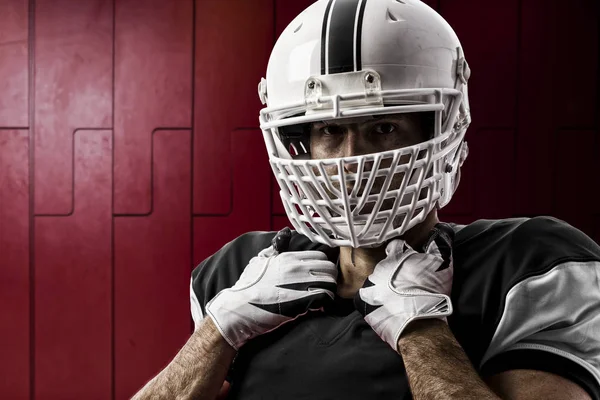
[[391, 330]]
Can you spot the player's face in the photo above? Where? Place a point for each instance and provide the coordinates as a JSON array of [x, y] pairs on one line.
[[366, 135]]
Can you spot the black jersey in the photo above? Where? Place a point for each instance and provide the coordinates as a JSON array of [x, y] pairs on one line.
[[526, 295]]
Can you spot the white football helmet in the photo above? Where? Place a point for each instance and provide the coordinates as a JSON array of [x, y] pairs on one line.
[[351, 58]]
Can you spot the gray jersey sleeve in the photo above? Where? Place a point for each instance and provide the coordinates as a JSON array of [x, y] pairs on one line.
[[535, 286], [557, 313]]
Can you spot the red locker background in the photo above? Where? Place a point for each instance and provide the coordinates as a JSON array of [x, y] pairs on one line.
[[130, 151]]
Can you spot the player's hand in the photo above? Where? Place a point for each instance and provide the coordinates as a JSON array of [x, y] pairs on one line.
[[408, 285], [273, 289]]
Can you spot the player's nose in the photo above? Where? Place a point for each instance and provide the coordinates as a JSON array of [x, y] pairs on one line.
[[355, 145]]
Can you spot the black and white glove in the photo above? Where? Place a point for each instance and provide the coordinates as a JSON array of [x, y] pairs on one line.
[[273, 289], [408, 285]]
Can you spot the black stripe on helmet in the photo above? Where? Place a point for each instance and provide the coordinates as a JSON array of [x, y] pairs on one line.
[[341, 44], [358, 53], [324, 38]]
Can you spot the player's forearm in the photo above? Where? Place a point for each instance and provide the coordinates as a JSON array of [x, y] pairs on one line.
[[437, 366], [196, 372]]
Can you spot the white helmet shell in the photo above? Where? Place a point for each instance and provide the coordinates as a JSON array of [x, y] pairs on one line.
[[343, 58]]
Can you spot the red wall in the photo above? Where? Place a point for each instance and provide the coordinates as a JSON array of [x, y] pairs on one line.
[[129, 151]]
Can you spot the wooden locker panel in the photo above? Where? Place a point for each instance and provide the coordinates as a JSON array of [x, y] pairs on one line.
[[490, 44], [279, 222], [233, 42], [14, 65], [73, 280], [493, 172], [251, 176], [191, 170], [153, 89], [152, 270], [15, 289], [537, 106], [488, 34], [73, 90], [576, 50]]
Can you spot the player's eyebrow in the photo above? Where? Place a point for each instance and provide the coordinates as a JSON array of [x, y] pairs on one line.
[[366, 121]]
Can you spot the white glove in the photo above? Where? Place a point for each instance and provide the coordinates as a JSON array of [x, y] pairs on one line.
[[272, 290], [408, 285]]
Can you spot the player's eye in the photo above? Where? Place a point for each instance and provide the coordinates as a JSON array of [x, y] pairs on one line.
[[385, 128], [332, 130]]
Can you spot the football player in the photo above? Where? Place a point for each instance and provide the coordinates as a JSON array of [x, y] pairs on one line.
[[371, 296]]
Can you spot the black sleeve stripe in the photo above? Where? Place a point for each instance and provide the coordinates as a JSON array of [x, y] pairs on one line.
[[543, 361]]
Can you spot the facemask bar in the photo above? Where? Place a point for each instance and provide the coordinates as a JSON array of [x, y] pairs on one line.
[[302, 199], [312, 193], [299, 113], [272, 117]]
